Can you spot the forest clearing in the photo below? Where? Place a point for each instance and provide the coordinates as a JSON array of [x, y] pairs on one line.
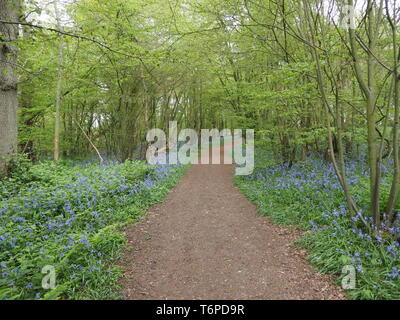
[[199, 150]]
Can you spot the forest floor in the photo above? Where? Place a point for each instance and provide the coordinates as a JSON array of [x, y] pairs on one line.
[[207, 241]]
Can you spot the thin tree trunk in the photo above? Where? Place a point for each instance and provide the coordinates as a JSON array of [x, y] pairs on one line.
[[340, 171], [369, 93], [59, 86], [394, 190]]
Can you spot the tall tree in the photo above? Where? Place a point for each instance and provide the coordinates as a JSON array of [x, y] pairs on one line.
[[59, 85], [8, 79]]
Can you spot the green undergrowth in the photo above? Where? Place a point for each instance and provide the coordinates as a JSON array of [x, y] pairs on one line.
[[69, 217], [308, 196]]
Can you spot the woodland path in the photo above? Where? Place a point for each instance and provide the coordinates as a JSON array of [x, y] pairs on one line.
[[206, 241]]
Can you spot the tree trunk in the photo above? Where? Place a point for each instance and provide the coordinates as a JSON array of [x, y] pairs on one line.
[[59, 87], [8, 80]]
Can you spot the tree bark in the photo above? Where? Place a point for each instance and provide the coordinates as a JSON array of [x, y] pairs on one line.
[[8, 80], [394, 190], [59, 86], [369, 87]]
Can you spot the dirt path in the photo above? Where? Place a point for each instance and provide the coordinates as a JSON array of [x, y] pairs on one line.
[[206, 241]]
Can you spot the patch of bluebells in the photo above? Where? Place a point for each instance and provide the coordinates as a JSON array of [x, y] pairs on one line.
[[394, 274], [309, 195], [55, 223]]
